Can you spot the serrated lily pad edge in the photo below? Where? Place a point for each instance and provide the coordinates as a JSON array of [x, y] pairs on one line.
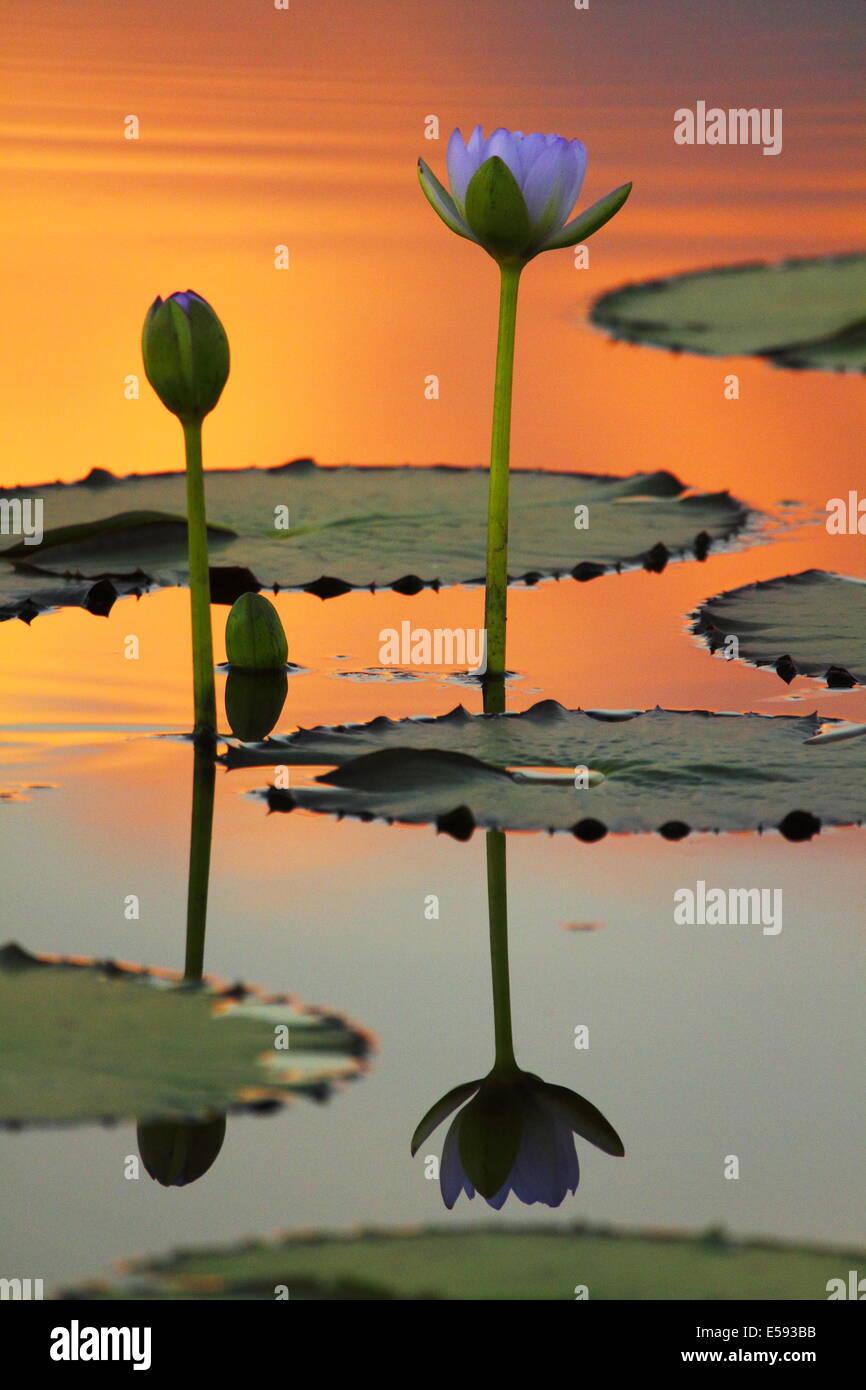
[[460, 823], [598, 315], [364, 1042], [706, 632], [102, 588], [152, 1275]]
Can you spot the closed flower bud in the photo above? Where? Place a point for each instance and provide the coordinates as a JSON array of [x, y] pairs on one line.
[[255, 639], [178, 1152], [186, 354], [254, 702]]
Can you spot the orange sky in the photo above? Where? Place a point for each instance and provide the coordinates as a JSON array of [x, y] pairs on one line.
[[259, 128]]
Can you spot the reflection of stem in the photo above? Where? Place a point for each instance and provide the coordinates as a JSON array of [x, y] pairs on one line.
[[497, 502], [493, 690], [204, 777], [497, 901], [199, 585]]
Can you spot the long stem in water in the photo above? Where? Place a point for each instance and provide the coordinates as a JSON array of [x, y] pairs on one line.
[[201, 830], [496, 592], [497, 902], [199, 586]]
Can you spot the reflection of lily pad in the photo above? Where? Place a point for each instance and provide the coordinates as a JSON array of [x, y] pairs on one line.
[[798, 313], [812, 623], [88, 1040], [494, 1264], [666, 770], [358, 527]]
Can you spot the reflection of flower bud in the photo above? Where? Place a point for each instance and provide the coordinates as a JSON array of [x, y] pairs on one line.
[[178, 1152], [186, 354], [516, 1134], [254, 702], [512, 193], [255, 639]]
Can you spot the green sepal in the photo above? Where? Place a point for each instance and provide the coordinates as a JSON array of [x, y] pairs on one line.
[[491, 1128], [496, 210], [441, 1110], [441, 201], [589, 221], [585, 1119]]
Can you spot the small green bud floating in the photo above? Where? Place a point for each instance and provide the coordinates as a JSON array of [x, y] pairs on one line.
[[255, 639], [186, 354], [176, 1153]]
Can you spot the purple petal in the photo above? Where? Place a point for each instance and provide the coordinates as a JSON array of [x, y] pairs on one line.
[[452, 1177], [552, 185], [531, 146], [462, 164], [544, 178], [507, 146], [497, 1202], [475, 145], [546, 1167]]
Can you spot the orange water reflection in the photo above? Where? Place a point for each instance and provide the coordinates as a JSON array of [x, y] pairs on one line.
[[289, 129]]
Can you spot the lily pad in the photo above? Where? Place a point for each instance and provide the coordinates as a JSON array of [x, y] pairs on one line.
[[809, 312], [811, 624], [86, 1040], [672, 771], [404, 528], [486, 1263]]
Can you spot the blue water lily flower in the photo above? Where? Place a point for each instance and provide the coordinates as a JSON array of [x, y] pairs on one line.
[[516, 1134], [513, 193]]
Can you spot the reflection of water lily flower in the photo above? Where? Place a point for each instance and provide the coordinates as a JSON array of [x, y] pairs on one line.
[[513, 193], [515, 1135]]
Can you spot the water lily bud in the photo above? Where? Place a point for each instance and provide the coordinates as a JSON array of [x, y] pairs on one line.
[[186, 354], [176, 1153], [254, 702], [255, 640]]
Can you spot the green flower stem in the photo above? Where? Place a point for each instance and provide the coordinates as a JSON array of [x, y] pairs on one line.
[[199, 586], [201, 831], [497, 502], [497, 901]]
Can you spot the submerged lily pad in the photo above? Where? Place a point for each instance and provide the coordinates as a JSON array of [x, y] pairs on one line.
[[796, 313], [406, 528], [89, 1040], [486, 1263], [812, 624], [672, 771]]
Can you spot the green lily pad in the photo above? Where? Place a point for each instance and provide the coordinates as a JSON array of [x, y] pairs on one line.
[[124, 533], [813, 624], [796, 313], [485, 1263], [85, 1040], [406, 528], [673, 771]]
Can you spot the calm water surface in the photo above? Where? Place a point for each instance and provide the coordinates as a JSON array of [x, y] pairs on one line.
[[704, 1041]]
